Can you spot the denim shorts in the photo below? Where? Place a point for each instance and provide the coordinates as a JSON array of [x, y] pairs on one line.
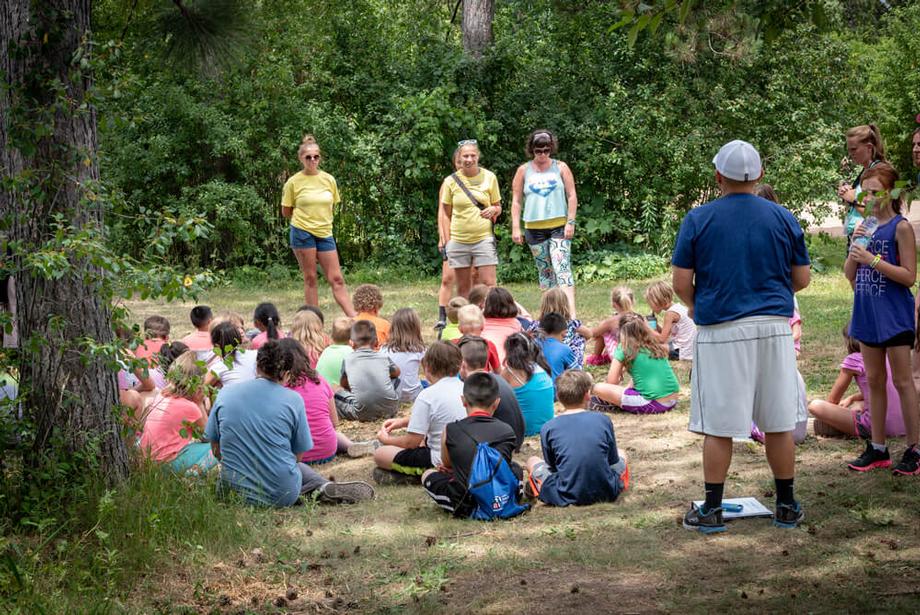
[[304, 240]]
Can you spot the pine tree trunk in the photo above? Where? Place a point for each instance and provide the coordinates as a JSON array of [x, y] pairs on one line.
[[477, 26], [48, 157]]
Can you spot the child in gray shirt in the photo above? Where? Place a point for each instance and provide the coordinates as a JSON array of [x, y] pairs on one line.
[[369, 379]]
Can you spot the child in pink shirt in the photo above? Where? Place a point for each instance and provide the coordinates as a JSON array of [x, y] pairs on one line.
[[173, 418], [501, 321], [839, 415], [267, 320], [322, 417], [200, 339]]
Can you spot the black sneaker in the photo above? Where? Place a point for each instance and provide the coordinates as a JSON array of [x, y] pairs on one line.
[[439, 327], [388, 477], [909, 464], [709, 522], [346, 492], [871, 459], [788, 516]]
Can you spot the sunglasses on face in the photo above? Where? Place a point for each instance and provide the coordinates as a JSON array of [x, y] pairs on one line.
[[314, 157], [541, 150]]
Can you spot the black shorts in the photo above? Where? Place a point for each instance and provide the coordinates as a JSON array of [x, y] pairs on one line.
[[905, 338], [536, 236], [412, 461], [449, 494]]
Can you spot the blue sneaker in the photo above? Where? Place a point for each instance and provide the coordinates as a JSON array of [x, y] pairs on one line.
[[788, 517], [708, 522]]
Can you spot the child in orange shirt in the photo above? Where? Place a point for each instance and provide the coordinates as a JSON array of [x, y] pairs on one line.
[[368, 300]]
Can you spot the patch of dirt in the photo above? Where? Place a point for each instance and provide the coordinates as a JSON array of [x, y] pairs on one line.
[[560, 589]]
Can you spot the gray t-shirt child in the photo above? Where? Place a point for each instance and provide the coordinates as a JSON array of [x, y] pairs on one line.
[[368, 373]]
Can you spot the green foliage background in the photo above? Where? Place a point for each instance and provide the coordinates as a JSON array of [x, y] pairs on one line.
[[386, 89]]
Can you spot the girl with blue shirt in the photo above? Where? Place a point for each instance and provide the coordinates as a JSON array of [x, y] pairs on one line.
[[258, 429], [529, 376], [882, 274]]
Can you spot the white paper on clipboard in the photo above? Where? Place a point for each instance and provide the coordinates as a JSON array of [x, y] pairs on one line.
[[751, 507]]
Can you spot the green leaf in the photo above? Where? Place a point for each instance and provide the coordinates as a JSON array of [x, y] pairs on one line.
[[685, 7]]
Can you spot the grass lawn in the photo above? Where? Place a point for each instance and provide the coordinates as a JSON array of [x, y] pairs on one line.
[[857, 550]]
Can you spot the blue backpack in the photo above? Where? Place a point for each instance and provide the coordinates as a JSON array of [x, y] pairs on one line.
[[493, 485]]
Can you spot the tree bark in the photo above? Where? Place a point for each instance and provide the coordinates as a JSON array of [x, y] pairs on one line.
[[477, 26], [48, 159]]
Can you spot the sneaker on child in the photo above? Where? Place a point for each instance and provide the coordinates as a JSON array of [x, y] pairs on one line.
[[909, 464], [871, 459]]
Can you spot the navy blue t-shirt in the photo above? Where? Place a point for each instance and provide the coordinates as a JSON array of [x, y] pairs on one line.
[[579, 449], [742, 249]]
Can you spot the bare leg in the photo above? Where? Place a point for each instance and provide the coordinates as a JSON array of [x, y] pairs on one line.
[[462, 275], [570, 293], [717, 457], [306, 259], [838, 417], [447, 284], [780, 453], [487, 275], [342, 442], [877, 374], [384, 455], [899, 359], [611, 392], [329, 261]]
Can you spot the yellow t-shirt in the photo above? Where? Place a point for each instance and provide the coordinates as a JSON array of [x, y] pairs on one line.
[[466, 223], [312, 197]]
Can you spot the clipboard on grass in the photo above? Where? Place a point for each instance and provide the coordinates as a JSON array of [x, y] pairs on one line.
[[741, 508]]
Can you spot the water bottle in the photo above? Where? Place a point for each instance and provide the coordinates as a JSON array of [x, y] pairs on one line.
[[869, 225], [653, 322]]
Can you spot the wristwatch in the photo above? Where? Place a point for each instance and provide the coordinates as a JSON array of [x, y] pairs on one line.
[[570, 221]]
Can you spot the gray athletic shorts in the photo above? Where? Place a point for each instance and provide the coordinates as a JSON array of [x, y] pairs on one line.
[[744, 371], [479, 254]]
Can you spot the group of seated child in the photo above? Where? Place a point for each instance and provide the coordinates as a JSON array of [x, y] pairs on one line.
[[493, 377]]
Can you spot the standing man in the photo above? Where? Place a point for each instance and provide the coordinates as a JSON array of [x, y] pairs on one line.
[[737, 262]]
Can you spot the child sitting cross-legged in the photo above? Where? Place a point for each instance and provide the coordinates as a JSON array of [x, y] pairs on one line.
[[409, 455], [654, 386], [448, 483], [369, 379], [582, 465]]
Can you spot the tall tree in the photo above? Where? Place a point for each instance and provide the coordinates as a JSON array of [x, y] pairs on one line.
[[477, 26], [48, 157]]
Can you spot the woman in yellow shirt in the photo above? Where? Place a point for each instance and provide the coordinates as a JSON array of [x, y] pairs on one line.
[[307, 199], [468, 224]]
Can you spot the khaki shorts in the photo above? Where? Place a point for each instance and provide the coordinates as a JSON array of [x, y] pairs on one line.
[[479, 254], [744, 371]]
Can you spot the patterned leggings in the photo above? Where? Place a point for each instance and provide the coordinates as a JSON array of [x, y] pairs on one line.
[[554, 262]]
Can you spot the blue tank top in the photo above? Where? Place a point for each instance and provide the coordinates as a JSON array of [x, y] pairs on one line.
[[544, 194], [882, 308]]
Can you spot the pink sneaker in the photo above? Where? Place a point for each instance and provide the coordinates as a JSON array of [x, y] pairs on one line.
[[597, 359], [756, 434]]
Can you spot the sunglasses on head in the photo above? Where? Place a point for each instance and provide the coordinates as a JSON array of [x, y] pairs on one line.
[[313, 157], [467, 142]]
